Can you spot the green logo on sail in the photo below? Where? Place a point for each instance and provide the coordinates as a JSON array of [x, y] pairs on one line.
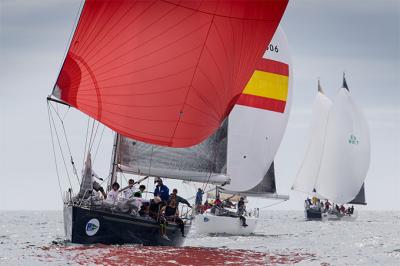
[[353, 140]]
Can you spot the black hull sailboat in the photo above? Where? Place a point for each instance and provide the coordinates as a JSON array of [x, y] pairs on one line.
[[314, 213], [84, 225], [126, 73]]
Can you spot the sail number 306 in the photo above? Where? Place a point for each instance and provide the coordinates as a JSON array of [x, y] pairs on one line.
[[273, 48]]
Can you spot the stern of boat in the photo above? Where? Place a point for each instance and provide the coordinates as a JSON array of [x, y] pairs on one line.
[[212, 224]]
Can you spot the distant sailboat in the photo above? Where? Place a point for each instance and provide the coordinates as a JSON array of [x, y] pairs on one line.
[[338, 154], [256, 126], [164, 76]]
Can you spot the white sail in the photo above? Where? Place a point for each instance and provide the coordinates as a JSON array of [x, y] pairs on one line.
[[254, 132], [309, 171], [346, 156]]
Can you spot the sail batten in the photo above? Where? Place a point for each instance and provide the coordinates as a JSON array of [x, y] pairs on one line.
[[188, 60]]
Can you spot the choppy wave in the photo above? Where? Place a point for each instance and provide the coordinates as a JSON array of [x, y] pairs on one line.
[[281, 238]]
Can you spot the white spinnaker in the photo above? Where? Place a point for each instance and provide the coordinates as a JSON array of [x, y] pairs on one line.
[[254, 135], [309, 171], [346, 156]]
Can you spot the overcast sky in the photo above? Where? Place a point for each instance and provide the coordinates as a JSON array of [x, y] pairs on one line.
[[361, 37]]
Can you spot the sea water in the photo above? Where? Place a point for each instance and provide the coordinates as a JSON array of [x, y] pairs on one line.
[[281, 237]]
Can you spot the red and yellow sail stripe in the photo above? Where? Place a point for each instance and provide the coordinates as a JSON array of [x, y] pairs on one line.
[[268, 87]]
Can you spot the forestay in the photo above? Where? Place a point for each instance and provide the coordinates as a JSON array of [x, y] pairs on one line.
[[258, 120], [165, 72], [205, 162]]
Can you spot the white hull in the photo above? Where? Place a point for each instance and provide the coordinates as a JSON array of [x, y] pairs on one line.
[[211, 224], [340, 217]]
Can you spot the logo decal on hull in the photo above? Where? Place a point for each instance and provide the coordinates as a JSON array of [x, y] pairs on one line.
[[92, 227]]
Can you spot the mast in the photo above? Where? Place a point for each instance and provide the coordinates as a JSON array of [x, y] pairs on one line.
[[344, 84], [114, 163]]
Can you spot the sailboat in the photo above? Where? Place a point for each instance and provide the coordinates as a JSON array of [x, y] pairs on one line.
[[255, 130], [337, 157], [164, 76]]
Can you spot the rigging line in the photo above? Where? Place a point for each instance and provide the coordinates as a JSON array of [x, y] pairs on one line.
[[98, 145], [61, 151], [66, 113], [86, 138], [94, 137], [213, 160], [67, 142], [276, 203], [54, 150], [123, 175], [216, 148], [147, 186], [151, 158], [91, 136]]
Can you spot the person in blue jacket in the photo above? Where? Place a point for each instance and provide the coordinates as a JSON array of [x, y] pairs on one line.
[[161, 190]]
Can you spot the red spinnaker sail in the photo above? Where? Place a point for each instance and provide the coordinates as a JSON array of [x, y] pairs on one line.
[[165, 72]]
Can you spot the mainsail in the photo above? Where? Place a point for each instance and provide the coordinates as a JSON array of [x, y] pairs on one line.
[[165, 72], [360, 198], [338, 157], [205, 162], [258, 120]]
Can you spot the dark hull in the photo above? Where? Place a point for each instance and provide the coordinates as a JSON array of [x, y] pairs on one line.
[[88, 226], [317, 215], [312, 214]]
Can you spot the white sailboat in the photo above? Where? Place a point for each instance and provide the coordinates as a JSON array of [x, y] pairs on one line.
[[255, 131], [338, 155]]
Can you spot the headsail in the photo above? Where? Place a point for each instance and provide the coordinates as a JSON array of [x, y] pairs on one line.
[[258, 120], [165, 72], [205, 162], [309, 170]]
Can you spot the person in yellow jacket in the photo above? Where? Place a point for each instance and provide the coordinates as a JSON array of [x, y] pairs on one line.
[[314, 200]]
